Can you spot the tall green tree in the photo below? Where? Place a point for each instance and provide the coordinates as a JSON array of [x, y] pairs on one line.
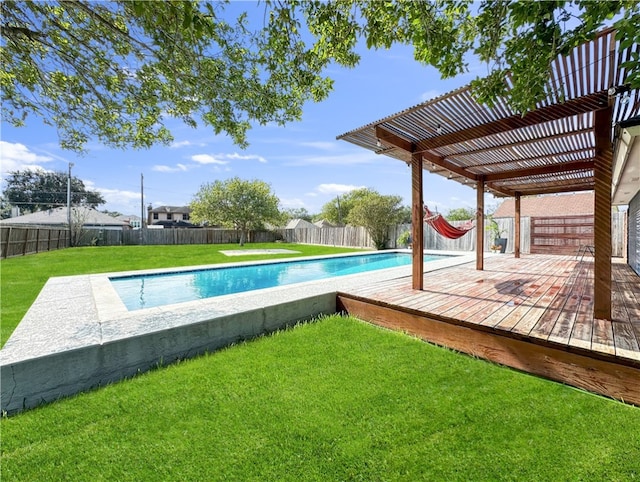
[[237, 204], [117, 71], [296, 213], [376, 212], [460, 214], [337, 210], [40, 190]]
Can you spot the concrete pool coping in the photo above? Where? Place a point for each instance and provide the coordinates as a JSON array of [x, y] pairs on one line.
[[78, 334]]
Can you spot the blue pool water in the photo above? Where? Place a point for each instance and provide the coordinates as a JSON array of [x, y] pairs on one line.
[[147, 291]]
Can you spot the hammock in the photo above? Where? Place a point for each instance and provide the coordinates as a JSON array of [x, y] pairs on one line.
[[442, 226]]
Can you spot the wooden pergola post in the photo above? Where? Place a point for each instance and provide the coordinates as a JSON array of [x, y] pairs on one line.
[[602, 214], [417, 221], [480, 225], [516, 240]]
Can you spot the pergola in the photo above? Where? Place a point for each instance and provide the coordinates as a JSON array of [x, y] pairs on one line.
[[564, 145]]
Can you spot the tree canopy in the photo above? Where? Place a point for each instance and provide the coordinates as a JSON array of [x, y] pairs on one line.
[[376, 213], [40, 190], [119, 70], [337, 210], [460, 214], [237, 204]]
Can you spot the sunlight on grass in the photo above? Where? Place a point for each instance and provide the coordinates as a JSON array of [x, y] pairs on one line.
[[336, 399]]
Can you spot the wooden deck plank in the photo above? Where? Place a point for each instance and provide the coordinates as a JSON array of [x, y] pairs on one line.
[[549, 290], [602, 339], [582, 331], [502, 318], [563, 327]]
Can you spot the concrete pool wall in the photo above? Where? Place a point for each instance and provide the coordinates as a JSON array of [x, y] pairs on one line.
[[78, 335]]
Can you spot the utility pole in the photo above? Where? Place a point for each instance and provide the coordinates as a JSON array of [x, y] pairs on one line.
[[141, 209], [69, 201]]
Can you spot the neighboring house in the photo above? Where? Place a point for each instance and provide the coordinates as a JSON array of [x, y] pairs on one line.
[[323, 223], [131, 219], [577, 204], [91, 219], [299, 224], [167, 213]]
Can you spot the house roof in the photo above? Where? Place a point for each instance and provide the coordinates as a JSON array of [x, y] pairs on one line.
[[556, 205], [548, 150], [59, 217], [171, 209], [299, 224], [323, 223]]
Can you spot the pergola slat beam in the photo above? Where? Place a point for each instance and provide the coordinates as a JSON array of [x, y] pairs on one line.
[[536, 171], [545, 114]]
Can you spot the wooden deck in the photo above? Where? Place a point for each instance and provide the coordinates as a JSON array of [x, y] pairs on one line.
[[534, 313]]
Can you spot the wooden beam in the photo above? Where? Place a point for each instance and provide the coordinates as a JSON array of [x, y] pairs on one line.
[[417, 222], [538, 190], [387, 137], [602, 214], [480, 225], [516, 241], [504, 160], [540, 170], [440, 161]]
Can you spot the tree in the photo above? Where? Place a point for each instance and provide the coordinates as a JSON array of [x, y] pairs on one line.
[[236, 204], [40, 190], [405, 215], [337, 210], [376, 213], [517, 40], [460, 214], [296, 213], [118, 70]]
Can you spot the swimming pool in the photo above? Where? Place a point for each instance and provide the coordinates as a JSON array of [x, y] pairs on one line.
[[147, 291]]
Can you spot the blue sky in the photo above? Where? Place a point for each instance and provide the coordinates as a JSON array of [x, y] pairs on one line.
[[303, 162]]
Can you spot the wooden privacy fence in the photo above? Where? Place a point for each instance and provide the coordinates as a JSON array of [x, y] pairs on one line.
[[348, 236], [21, 240], [560, 234], [181, 236], [17, 241]]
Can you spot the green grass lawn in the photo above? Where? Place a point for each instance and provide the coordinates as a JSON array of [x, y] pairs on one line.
[[336, 399], [22, 278], [333, 400]]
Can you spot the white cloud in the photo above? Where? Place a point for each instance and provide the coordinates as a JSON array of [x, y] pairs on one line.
[[177, 168], [249, 157], [18, 157], [207, 159], [337, 188], [177, 145], [126, 202], [292, 203], [322, 145]]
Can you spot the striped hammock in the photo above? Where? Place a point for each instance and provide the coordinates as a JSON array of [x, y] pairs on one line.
[[442, 226]]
